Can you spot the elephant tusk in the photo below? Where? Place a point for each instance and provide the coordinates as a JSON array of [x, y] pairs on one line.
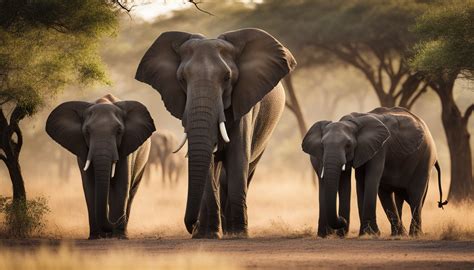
[[215, 149], [224, 132], [113, 168], [183, 141], [88, 163], [343, 167], [322, 173]]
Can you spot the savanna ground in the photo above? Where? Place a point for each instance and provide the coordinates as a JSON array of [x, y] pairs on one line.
[[282, 224]]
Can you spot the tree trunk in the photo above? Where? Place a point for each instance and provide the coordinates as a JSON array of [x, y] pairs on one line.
[[457, 135], [293, 104], [16, 177], [11, 150]]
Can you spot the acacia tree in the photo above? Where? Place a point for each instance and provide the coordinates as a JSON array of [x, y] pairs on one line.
[[446, 52], [45, 46], [369, 35]]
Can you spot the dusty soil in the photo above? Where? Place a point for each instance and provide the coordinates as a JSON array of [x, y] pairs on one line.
[[284, 253]]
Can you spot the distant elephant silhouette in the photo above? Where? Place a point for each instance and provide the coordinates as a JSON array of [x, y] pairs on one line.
[[172, 165], [65, 163]]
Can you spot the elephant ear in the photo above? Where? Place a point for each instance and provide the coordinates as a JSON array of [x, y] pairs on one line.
[[262, 62], [372, 134], [64, 125], [138, 123], [313, 145], [159, 66]]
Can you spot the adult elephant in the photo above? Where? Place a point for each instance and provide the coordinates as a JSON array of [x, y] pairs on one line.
[[392, 152], [110, 139], [228, 85], [172, 165]]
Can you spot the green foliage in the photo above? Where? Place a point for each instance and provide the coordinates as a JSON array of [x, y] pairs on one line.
[[309, 25], [46, 45], [23, 218], [447, 39]]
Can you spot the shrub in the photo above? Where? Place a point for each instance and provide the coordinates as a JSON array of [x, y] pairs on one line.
[[22, 218]]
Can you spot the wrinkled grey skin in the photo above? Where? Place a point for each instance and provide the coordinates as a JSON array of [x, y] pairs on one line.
[[392, 152], [104, 132], [232, 79], [172, 165]]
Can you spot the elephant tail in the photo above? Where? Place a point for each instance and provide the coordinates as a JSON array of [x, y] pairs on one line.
[[440, 203]]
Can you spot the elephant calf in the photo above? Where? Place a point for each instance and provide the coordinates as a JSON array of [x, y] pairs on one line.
[[392, 152], [110, 139]]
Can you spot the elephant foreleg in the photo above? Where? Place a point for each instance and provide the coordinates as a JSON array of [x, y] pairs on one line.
[[373, 174], [237, 174], [345, 200], [360, 185], [119, 198], [210, 216], [89, 192]]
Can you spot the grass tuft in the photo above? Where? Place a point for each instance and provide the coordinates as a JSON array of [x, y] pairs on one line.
[[22, 218]]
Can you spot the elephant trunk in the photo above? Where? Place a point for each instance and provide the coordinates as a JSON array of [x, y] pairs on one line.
[[202, 133], [332, 175], [102, 169]]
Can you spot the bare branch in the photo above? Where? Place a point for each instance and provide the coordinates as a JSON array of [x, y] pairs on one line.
[[122, 6], [418, 95], [468, 113], [196, 4]]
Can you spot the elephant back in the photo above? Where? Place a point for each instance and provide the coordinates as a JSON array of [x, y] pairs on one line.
[[407, 131]]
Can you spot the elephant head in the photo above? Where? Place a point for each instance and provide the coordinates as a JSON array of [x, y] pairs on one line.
[[100, 135], [336, 146], [208, 83]]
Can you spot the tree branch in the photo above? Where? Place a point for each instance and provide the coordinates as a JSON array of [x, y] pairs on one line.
[[468, 113], [413, 100], [196, 4]]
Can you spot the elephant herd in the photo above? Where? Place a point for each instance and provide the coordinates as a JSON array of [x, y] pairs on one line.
[[228, 96]]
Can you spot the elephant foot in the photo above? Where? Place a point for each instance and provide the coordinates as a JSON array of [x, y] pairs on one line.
[[99, 235], [205, 233], [416, 233], [324, 231], [119, 235], [369, 228], [342, 233], [238, 235], [398, 231], [94, 236], [212, 235]]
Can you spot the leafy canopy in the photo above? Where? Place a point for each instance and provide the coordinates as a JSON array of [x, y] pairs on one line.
[[447, 39], [48, 44]]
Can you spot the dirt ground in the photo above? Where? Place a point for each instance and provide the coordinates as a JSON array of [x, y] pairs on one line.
[[283, 253]]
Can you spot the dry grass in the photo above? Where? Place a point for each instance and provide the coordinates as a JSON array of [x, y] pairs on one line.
[[68, 258]]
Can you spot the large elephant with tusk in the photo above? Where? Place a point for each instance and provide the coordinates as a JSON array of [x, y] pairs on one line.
[[227, 94], [111, 141]]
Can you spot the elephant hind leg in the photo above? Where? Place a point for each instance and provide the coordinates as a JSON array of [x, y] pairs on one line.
[[399, 200], [386, 197], [416, 202]]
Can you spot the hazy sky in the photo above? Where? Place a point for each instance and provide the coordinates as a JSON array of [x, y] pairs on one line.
[[150, 9]]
